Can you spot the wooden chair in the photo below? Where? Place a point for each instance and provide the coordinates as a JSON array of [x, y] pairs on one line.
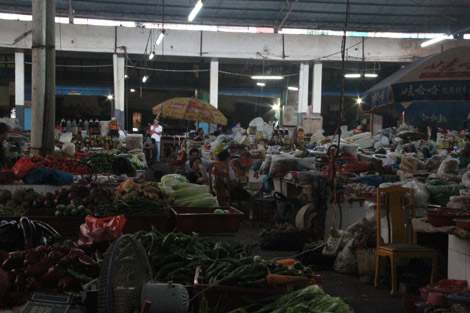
[[401, 230], [221, 171]]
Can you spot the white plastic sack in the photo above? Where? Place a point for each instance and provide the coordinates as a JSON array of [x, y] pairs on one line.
[[66, 137], [364, 140], [351, 149], [466, 180], [318, 136], [258, 123], [69, 149], [104, 128], [420, 193], [134, 141], [448, 170]]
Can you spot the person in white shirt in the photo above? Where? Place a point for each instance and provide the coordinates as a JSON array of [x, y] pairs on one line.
[[156, 131]]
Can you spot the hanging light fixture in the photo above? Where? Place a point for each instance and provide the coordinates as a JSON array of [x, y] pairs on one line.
[[435, 40], [266, 77], [370, 75], [261, 84], [144, 79], [160, 37], [151, 55], [352, 75], [195, 10]]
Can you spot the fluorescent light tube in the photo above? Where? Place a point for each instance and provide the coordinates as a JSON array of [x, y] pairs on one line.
[[352, 75], [160, 37], [151, 55], [261, 84], [293, 88], [261, 77], [195, 11], [132, 90], [370, 75], [435, 40], [144, 79]]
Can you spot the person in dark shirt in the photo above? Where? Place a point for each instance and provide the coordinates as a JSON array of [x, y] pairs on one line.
[[198, 174], [4, 129]]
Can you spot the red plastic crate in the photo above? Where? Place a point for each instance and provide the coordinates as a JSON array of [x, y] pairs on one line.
[[203, 220]]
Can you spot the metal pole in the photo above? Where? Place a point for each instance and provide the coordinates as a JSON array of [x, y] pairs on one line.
[[49, 118], [38, 92]]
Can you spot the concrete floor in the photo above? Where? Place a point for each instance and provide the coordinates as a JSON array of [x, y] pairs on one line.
[[363, 298]]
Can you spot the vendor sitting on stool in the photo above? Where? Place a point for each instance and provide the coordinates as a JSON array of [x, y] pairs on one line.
[[237, 193], [197, 175]]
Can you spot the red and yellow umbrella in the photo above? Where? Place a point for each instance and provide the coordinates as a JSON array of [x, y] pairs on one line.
[[190, 109]]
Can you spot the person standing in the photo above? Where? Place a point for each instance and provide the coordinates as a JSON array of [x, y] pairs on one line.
[[156, 131], [4, 129]]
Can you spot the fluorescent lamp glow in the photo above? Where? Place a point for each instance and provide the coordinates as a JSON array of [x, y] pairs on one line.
[[151, 55], [195, 11], [370, 75], [435, 40], [144, 79], [352, 75], [262, 77], [261, 84], [126, 76], [293, 88], [110, 97], [160, 37], [466, 36], [134, 129], [132, 90], [276, 107], [358, 100]]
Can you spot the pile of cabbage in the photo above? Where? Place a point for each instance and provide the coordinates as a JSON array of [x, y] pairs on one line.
[[186, 194]]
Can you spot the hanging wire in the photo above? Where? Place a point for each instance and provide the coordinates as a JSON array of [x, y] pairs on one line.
[[341, 108]]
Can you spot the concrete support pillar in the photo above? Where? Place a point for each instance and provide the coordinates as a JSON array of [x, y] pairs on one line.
[[43, 77], [19, 86], [49, 108], [119, 88], [214, 83], [317, 88], [38, 79], [303, 91]]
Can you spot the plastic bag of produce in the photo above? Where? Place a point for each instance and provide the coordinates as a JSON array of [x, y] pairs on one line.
[[448, 170], [101, 229], [441, 190], [200, 198], [264, 169], [411, 164], [22, 167], [134, 141], [466, 179], [420, 193], [434, 162], [282, 164]]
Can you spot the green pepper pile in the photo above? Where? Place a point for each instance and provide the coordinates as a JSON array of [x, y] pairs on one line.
[[308, 300], [249, 271], [135, 206], [99, 162], [175, 256]]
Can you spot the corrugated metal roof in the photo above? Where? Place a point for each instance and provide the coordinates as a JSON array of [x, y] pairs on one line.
[[423, 16]]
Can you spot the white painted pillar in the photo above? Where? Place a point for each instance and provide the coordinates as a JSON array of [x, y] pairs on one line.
[[214, 83], [317, 88], [19, 86], [119, 88], [303, 88]]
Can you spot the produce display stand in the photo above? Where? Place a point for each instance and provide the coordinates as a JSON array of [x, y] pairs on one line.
[[233, 297], [202, 220]]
